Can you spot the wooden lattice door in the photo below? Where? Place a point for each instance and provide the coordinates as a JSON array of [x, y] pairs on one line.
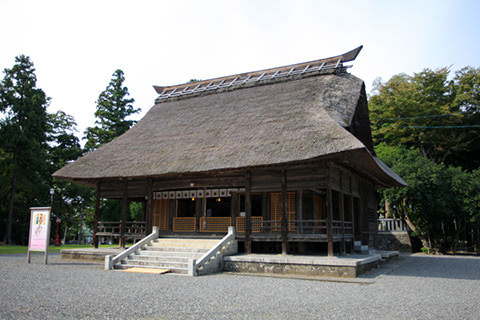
[[161, 214], [276, 210]]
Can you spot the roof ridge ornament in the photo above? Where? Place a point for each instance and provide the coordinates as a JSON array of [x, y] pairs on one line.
[[327, 65]]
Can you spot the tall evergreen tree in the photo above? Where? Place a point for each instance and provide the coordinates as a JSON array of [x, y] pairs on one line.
[[113, 109], [23, 139]]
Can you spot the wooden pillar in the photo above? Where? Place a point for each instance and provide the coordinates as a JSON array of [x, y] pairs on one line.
[[124, 214], [361, 217], [300, 210], [352, 219], [341, 208], [149, 215], [248, 213], [342, 218], [329, 215], [199, 213], [284, 222], [173, 206], [95, 216], [204, 202], [233, 209]]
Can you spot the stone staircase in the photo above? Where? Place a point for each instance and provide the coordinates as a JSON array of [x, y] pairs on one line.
[[167, 253]]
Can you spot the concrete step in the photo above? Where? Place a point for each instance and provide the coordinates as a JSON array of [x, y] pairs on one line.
[[184, 243], [163, 264], [172, 269], [181, 259], [170, 254], [175, 249]]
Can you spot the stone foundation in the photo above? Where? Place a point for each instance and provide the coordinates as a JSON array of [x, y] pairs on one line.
[[325, 267], [91, 255], [397, 241]]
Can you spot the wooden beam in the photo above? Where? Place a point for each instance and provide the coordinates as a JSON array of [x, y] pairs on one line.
[[95, 216], [124, 214], [248, 213], [284, 212]]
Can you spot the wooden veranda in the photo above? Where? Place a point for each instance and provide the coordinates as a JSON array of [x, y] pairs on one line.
[[305, 202]]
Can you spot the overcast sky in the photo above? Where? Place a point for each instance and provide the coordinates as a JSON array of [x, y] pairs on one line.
[[77, 45]]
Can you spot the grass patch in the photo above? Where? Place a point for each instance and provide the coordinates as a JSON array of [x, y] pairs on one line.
[[8, 249]]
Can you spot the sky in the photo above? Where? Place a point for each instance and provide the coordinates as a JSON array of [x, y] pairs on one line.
[[77, 45]]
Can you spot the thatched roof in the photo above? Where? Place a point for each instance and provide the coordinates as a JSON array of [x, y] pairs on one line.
[[264, 123]]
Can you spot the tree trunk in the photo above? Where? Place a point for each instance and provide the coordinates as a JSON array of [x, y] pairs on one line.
[[65, 235], [425, 242], [8, 232]]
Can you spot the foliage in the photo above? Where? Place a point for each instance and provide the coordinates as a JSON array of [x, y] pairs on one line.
[[23, 142], [431, 113], [33, 145], [441, 202], [113, 109], [426, 128], [72, 203]]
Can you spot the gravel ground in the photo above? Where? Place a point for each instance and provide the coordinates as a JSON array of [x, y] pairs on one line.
[[410, 287]]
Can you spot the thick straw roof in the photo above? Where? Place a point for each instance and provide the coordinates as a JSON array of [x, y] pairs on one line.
[[265, 123]]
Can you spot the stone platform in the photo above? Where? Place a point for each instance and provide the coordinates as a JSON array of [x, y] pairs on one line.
[[347, 266], [89, 254]]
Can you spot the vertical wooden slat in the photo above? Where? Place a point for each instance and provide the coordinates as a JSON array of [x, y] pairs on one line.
[[95, 217], [276, 211], [248, 213]]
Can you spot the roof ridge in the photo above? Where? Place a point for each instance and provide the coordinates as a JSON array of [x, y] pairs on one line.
[[321, 66]]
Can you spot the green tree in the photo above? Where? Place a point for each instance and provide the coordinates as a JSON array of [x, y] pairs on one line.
[[426, 128], [428, 112], [113, 109], [441, 203], [23, 141], [71, 202], [467, 100]]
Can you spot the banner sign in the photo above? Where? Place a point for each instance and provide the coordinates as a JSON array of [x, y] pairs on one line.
[[197, 193], [39, 231]]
